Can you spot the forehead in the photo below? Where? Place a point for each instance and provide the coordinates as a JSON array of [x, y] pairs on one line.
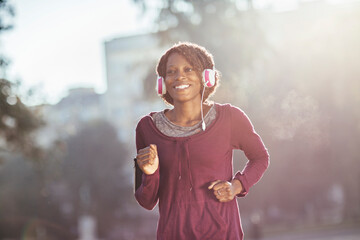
[[176, 59]]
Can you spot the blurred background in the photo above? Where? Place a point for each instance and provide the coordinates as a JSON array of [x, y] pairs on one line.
[[76, 76]]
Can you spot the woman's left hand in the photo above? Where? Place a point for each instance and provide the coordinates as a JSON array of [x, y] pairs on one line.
[[226, 191]]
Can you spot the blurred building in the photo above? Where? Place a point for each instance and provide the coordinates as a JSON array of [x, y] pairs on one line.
[[65, 118], [130, 75]]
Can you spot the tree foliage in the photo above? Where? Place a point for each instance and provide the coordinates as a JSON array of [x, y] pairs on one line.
[[94, 171], [83, 175], [7, 11], [17, 121], [27, 205]]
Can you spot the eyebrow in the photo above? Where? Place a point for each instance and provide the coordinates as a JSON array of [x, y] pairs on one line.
[[172, 65]]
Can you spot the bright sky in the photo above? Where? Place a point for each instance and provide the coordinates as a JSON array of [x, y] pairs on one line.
[[59, 44], [56, 45]]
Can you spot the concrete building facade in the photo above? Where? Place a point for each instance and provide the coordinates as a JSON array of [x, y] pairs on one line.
[[129, 62]]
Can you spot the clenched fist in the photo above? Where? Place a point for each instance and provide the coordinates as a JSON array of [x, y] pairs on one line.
[[147, 159], [226, 191]]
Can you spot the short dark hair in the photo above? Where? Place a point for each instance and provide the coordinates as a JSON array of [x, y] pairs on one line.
[[198, 57]]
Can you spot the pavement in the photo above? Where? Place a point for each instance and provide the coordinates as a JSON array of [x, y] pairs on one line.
[[336, 234]]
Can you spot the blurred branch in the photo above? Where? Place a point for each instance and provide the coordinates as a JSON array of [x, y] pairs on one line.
[[17, 121], [7, 12]]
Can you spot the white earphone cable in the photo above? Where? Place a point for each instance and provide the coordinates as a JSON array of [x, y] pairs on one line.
[[203, 125]]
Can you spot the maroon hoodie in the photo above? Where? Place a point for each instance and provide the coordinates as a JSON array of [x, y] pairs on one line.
[[187, 166]]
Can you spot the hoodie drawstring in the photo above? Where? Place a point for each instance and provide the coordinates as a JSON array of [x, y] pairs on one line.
[[182, 155], [177, 152], [186, 146]]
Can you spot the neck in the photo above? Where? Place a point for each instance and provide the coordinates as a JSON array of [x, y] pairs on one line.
[[185, 114]]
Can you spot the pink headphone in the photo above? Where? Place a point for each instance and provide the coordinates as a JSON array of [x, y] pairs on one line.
[[208, 79]]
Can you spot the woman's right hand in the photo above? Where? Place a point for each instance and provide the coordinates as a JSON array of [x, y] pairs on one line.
[[147, 159]]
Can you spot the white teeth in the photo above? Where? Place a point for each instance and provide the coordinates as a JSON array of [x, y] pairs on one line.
[[182, 86]]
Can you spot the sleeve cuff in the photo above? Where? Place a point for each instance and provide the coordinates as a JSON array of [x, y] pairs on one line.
[[239, 176]]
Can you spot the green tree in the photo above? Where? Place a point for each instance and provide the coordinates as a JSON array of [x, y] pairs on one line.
[[17, 121], [94, 170], [7, 12], [26, 207]]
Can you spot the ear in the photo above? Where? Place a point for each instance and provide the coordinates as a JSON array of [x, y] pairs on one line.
[[160, 86], [208, 77]]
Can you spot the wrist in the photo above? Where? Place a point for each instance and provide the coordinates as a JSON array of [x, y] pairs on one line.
[[237, 186]]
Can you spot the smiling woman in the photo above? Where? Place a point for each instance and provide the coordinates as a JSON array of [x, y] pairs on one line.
[[187, 167], [182, 82], [194, 59]]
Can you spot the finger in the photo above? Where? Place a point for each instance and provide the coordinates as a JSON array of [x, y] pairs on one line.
[[222, 193], [152, 160], [224, 200], [217, 194], [222, 185], [153, 147], [153, 151], [144, 159], [143, 155], [213, 184], [219, 185], [142, 162], [140, 155], [146, 149]]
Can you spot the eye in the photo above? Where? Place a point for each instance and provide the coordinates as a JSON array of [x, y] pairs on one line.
[[170, 71], [188, 69]]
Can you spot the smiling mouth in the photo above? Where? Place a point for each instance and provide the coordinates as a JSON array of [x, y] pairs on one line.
[[184, 86]]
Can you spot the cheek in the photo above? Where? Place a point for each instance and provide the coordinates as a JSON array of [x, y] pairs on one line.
[[167, 83], [200, 81]]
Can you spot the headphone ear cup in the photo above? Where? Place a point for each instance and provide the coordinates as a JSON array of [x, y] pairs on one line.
[[160, 86], [208, 77]]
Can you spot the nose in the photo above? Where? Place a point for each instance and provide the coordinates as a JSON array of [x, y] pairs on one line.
[[180, 75]]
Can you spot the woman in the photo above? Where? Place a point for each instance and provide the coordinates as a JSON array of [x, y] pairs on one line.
[[184, 158]]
